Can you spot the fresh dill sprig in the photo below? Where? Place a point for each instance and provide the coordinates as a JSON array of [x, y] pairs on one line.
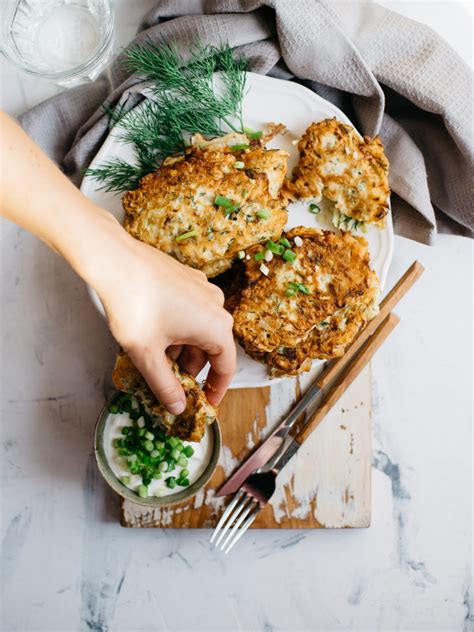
[[184, 101]]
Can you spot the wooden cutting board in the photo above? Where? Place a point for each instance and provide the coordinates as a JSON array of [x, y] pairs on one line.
[[326, 485]]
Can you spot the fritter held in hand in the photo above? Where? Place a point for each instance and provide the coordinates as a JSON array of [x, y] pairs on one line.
[[191, 424], [311, 307], [350, 171], [206, 206]]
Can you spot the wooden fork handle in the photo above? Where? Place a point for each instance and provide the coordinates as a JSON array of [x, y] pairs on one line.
[[362, 359], [386, 306]]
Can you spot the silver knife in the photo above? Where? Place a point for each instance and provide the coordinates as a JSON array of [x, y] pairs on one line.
[[275, 443]]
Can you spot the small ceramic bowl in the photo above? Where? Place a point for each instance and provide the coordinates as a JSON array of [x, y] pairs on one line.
[[152, 501]]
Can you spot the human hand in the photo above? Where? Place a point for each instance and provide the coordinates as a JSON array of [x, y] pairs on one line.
[[158, 305]]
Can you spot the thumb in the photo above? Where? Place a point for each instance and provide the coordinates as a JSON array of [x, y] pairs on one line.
[[160, 378]]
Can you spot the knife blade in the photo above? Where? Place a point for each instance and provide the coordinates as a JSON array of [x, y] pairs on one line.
[[274, 442]]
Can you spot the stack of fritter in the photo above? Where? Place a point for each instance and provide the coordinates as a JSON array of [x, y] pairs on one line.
[[311, 307], [191, 424]]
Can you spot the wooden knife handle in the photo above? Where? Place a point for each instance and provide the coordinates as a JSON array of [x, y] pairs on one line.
[[349, 376], [386, 306]]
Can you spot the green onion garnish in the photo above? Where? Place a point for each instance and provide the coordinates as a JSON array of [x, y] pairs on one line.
[[263, 214], [239, 147], [114, 409], [190, 233], [290, 291], [188, 451], [314, 208], [171, 482], [223, 201], [255, 135], [182, 461], [239, 164], [125, 480], [143, 491], [259, 256], [284, 241], [277, 249], [289, 255], [300, 287]]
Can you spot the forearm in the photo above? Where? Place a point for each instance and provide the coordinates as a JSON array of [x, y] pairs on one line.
[[36, 195]]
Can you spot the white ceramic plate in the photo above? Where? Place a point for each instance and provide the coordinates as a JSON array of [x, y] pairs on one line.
[[266, 100]]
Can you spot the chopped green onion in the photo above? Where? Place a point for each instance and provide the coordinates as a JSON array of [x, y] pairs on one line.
[[154, 454], [314, 208], [127, 406], [114, 409], [143, 491], [238, 164], [184, 473], [171, 482], [125, 430], [290, 292], [163, 466], [223, 201], [157, 474], [263, 214], [240, 147], [183, 482], [284, 241], [173, 441], [289, 255], [175, 454], [132, 458], [182, 461], [241, 254], [273, 247], [259, 256], [149, 435], [125, 480], [118, 443], [190, 233], [300, 287], [148, 445], [188, 451]]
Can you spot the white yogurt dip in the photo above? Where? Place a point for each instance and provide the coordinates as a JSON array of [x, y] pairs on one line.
[[196, 464]]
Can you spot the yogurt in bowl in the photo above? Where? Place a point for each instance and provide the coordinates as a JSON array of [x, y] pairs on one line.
[[115, 467]]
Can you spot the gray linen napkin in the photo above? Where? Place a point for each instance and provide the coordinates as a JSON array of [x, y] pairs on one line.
[[391, 75]]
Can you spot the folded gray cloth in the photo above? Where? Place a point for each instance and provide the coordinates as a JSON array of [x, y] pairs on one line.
[[392, 76]]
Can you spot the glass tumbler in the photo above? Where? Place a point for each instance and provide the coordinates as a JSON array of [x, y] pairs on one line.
[[66, 41]]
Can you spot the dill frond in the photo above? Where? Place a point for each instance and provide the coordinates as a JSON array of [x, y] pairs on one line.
[[184, 101], [116, 175]]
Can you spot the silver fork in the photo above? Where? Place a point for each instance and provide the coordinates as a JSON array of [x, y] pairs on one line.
[[259, 487], [251, 498]]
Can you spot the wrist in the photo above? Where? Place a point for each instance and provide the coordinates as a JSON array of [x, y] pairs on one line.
[[91, 238]]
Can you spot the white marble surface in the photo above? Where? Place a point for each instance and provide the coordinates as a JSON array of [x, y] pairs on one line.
[[67, 565]]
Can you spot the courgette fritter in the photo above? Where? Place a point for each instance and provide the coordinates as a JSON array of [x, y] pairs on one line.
[[350, 171], [191, 424], [206, 206], [308, 308]]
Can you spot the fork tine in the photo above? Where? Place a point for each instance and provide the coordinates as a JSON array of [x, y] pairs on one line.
[[250, 506], [233, 517], [243, 529], [225, 515]]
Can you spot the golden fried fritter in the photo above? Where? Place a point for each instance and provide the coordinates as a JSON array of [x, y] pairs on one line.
[[191, 424], [309, 308], [351, 172], [175, 210]]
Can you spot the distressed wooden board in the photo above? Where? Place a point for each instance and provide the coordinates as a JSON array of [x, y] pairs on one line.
[[327, 484]]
